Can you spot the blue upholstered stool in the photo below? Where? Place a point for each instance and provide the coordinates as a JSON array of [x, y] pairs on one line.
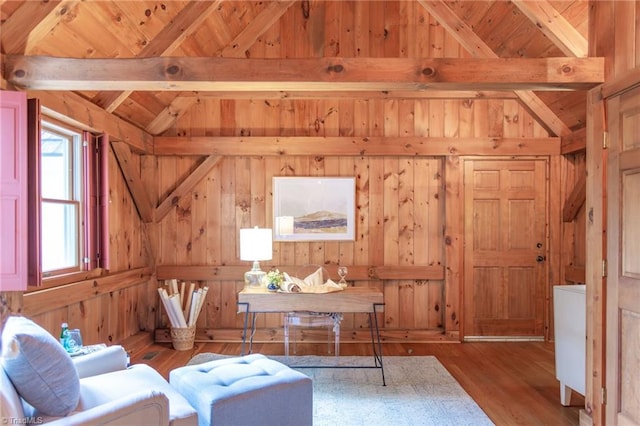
[[248, 390]]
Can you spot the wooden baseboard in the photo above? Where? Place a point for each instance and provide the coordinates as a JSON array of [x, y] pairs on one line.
[[585, 419]]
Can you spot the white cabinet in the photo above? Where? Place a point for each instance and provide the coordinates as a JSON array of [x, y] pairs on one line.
[[570, 312]]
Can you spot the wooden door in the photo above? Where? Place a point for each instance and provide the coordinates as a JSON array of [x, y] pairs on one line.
[[505, 248], [623, 259]]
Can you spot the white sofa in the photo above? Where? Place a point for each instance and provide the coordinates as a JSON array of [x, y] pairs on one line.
[[98, 388]]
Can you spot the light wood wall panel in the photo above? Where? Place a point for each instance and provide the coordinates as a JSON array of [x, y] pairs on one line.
[[364, 29], [400, 200], [400, 217], [410, 232], [573, 243], [613, 34]]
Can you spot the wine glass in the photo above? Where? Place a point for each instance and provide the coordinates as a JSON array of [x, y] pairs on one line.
[[75, 340], [342, 272]]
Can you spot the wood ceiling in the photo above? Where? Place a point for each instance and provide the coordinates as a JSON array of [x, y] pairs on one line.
[[302, 49]]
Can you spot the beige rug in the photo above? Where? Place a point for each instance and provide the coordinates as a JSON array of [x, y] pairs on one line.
[[419, 391]]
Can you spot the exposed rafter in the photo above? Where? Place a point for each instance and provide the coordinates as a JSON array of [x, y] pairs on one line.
[[243, 30], [269, 16], [40, 16], [554, 26], [236, 49], [187, 21], [179, 106], [479, 49]]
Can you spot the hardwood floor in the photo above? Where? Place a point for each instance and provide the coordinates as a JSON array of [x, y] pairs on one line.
[[513, 382]]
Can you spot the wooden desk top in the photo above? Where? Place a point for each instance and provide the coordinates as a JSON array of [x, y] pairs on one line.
[[351, 299]]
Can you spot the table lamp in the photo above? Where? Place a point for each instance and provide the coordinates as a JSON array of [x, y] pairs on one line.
[[255, 245]]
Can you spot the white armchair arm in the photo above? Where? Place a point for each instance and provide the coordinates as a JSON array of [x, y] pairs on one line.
[[147, 407], [112, 358]]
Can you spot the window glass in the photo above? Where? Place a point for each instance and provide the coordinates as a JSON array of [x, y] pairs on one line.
[[61, 195], [59, 244], [56, 164]]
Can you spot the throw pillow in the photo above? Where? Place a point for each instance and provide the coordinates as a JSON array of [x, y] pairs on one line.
[[39, 368]]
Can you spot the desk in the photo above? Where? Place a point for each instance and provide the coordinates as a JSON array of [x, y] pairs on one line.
[[350, 300]]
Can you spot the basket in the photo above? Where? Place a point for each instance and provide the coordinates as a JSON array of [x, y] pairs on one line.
[[183, 338]]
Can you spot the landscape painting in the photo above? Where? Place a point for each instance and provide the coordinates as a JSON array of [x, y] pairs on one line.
[[313, 208]]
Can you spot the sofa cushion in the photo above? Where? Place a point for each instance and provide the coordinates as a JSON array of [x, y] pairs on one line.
[[10, 403], [39, 368], [98, 390]]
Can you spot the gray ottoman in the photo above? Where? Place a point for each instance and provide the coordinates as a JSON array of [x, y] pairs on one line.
[[249, 390]]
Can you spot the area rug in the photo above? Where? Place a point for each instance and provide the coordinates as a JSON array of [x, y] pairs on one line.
[[418, 391]]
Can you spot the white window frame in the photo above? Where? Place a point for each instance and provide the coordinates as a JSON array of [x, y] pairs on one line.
[[72, 199]]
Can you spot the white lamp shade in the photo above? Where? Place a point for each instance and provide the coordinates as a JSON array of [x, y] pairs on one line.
[[256, 244]]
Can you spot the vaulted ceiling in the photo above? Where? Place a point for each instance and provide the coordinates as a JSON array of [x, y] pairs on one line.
[[273, 49]]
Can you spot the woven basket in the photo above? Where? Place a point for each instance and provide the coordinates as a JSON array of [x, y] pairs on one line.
[[183, 338]]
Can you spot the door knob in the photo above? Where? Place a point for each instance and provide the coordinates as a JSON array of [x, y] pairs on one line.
[[540, 259]]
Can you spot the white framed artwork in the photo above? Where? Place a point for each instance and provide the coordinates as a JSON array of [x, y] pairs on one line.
[[314, 208]]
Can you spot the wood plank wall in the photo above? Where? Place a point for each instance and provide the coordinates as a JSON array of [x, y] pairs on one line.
[[573, 225], [400, 200], [178, 238], [399, 222], [612, 33], [401, 215]]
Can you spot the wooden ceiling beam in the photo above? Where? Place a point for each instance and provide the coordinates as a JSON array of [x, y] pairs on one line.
[[554, 26], [356, 272], [333, 74], [430, 94], [470, 41], [574, 142], [351, 146]]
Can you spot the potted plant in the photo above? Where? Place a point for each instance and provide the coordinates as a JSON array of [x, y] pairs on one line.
[[274, 279]]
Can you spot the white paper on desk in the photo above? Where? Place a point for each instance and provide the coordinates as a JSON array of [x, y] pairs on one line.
[[327, 287], [289, 287], [314, 278], [310, 284]]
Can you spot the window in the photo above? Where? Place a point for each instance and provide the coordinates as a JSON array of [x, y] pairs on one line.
[[61, 183], [68, 213]]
